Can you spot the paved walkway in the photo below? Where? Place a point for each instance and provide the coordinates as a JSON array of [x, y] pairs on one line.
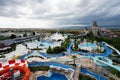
[[77, 72], [34, 75]]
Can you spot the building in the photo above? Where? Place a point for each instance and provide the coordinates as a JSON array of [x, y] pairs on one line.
[[86, 31], [95, 29], [4, 47], [57, 37], [7, 33], [97, 32], [106, 33], [19, 40]]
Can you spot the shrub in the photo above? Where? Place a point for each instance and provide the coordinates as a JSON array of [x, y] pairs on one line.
[[57, 49]]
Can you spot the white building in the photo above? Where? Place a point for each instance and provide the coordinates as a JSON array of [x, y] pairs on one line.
[[57, 37], [6, 34], [10, 33]]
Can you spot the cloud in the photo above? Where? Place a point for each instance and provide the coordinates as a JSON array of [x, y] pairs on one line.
[[60, 12]]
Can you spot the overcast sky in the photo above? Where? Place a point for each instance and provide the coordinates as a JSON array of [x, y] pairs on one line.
[[58, 13]]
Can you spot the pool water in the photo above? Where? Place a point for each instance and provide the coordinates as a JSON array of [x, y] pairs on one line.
[[54, 76], [89, 45], [45, 43]]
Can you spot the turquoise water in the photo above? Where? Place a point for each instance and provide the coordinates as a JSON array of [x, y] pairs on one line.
[[44, 43], [54, 76], [89, 45]]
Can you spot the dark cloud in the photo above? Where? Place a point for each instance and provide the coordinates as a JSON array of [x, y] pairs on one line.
[[9, 8], [63, 11]]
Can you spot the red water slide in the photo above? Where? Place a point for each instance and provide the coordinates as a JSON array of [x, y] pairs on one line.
[[19, 66]]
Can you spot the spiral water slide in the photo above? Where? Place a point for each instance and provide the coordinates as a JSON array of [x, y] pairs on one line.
[[18, 67]]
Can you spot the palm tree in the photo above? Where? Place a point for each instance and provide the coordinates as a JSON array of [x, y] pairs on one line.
[[74, 58], [87, 40], [100, 48], [75, 44]]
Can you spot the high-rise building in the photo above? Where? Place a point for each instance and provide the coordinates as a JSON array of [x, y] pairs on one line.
[[95, 29]]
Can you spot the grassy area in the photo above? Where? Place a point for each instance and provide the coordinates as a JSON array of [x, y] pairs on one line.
[[115, 72], [38, 68], [37, 49], [85, 77], [115, 58]]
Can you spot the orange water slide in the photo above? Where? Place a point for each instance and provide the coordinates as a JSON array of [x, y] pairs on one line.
[[21, 68]]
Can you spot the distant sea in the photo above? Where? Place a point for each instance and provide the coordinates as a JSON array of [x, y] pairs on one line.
[[89, 27]]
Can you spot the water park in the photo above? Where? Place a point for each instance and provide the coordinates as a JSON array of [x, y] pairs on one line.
[[30, 60]]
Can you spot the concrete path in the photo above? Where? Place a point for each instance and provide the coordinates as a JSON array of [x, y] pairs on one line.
[[77, 72]]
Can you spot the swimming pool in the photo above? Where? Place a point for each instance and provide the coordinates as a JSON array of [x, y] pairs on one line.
[[53, 76], [44, 43], [107, 52], [93, 45]]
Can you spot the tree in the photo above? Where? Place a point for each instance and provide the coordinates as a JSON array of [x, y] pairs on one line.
[[74, 58], [100, 48], [87, 40], [25, 34], [65, 44], [57, 49], [49, 50], [33, 33], [13, 36], [75, 44]]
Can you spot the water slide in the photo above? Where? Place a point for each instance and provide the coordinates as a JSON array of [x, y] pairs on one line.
[[96, 57], [112, 47], [106, 53], [18, 66], [49, 64], [105, 61], [42, 55], [87, 55], [96, 76], [98, 60], [83, 70]]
